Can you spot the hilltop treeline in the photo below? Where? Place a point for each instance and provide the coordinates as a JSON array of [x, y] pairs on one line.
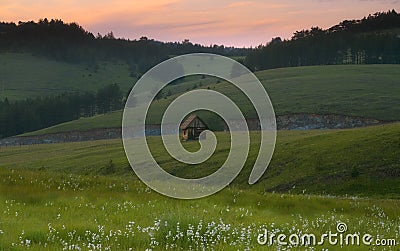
[[32, 114], [70, 42], [372, 40]]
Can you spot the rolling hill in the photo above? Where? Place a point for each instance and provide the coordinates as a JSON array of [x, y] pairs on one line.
[[362, 161], [368, 91]]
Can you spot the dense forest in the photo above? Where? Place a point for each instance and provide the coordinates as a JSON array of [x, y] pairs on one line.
[[32, 114], [372, 40], [71, 43]]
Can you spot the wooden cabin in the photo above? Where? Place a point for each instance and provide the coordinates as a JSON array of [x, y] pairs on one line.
[[191, 128]]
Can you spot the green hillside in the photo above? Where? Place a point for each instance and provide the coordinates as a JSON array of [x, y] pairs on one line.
[[370, 91], [362, 161], [25, 75]]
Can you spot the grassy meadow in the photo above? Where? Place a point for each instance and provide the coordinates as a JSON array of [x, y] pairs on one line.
[[85, 196]]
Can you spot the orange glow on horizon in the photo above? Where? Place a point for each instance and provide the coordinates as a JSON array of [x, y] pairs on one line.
[[228, 22]]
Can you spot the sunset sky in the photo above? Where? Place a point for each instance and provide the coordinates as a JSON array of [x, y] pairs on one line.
[[229, 22]]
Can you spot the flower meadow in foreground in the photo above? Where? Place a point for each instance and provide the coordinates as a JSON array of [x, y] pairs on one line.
[[200, 235], [79, 213]]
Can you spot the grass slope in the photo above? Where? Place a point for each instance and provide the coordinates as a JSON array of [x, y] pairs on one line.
[[361, 161], [370, 91], [25, 75]]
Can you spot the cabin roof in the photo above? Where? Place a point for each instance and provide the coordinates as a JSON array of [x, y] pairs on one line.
[[185, 124]]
